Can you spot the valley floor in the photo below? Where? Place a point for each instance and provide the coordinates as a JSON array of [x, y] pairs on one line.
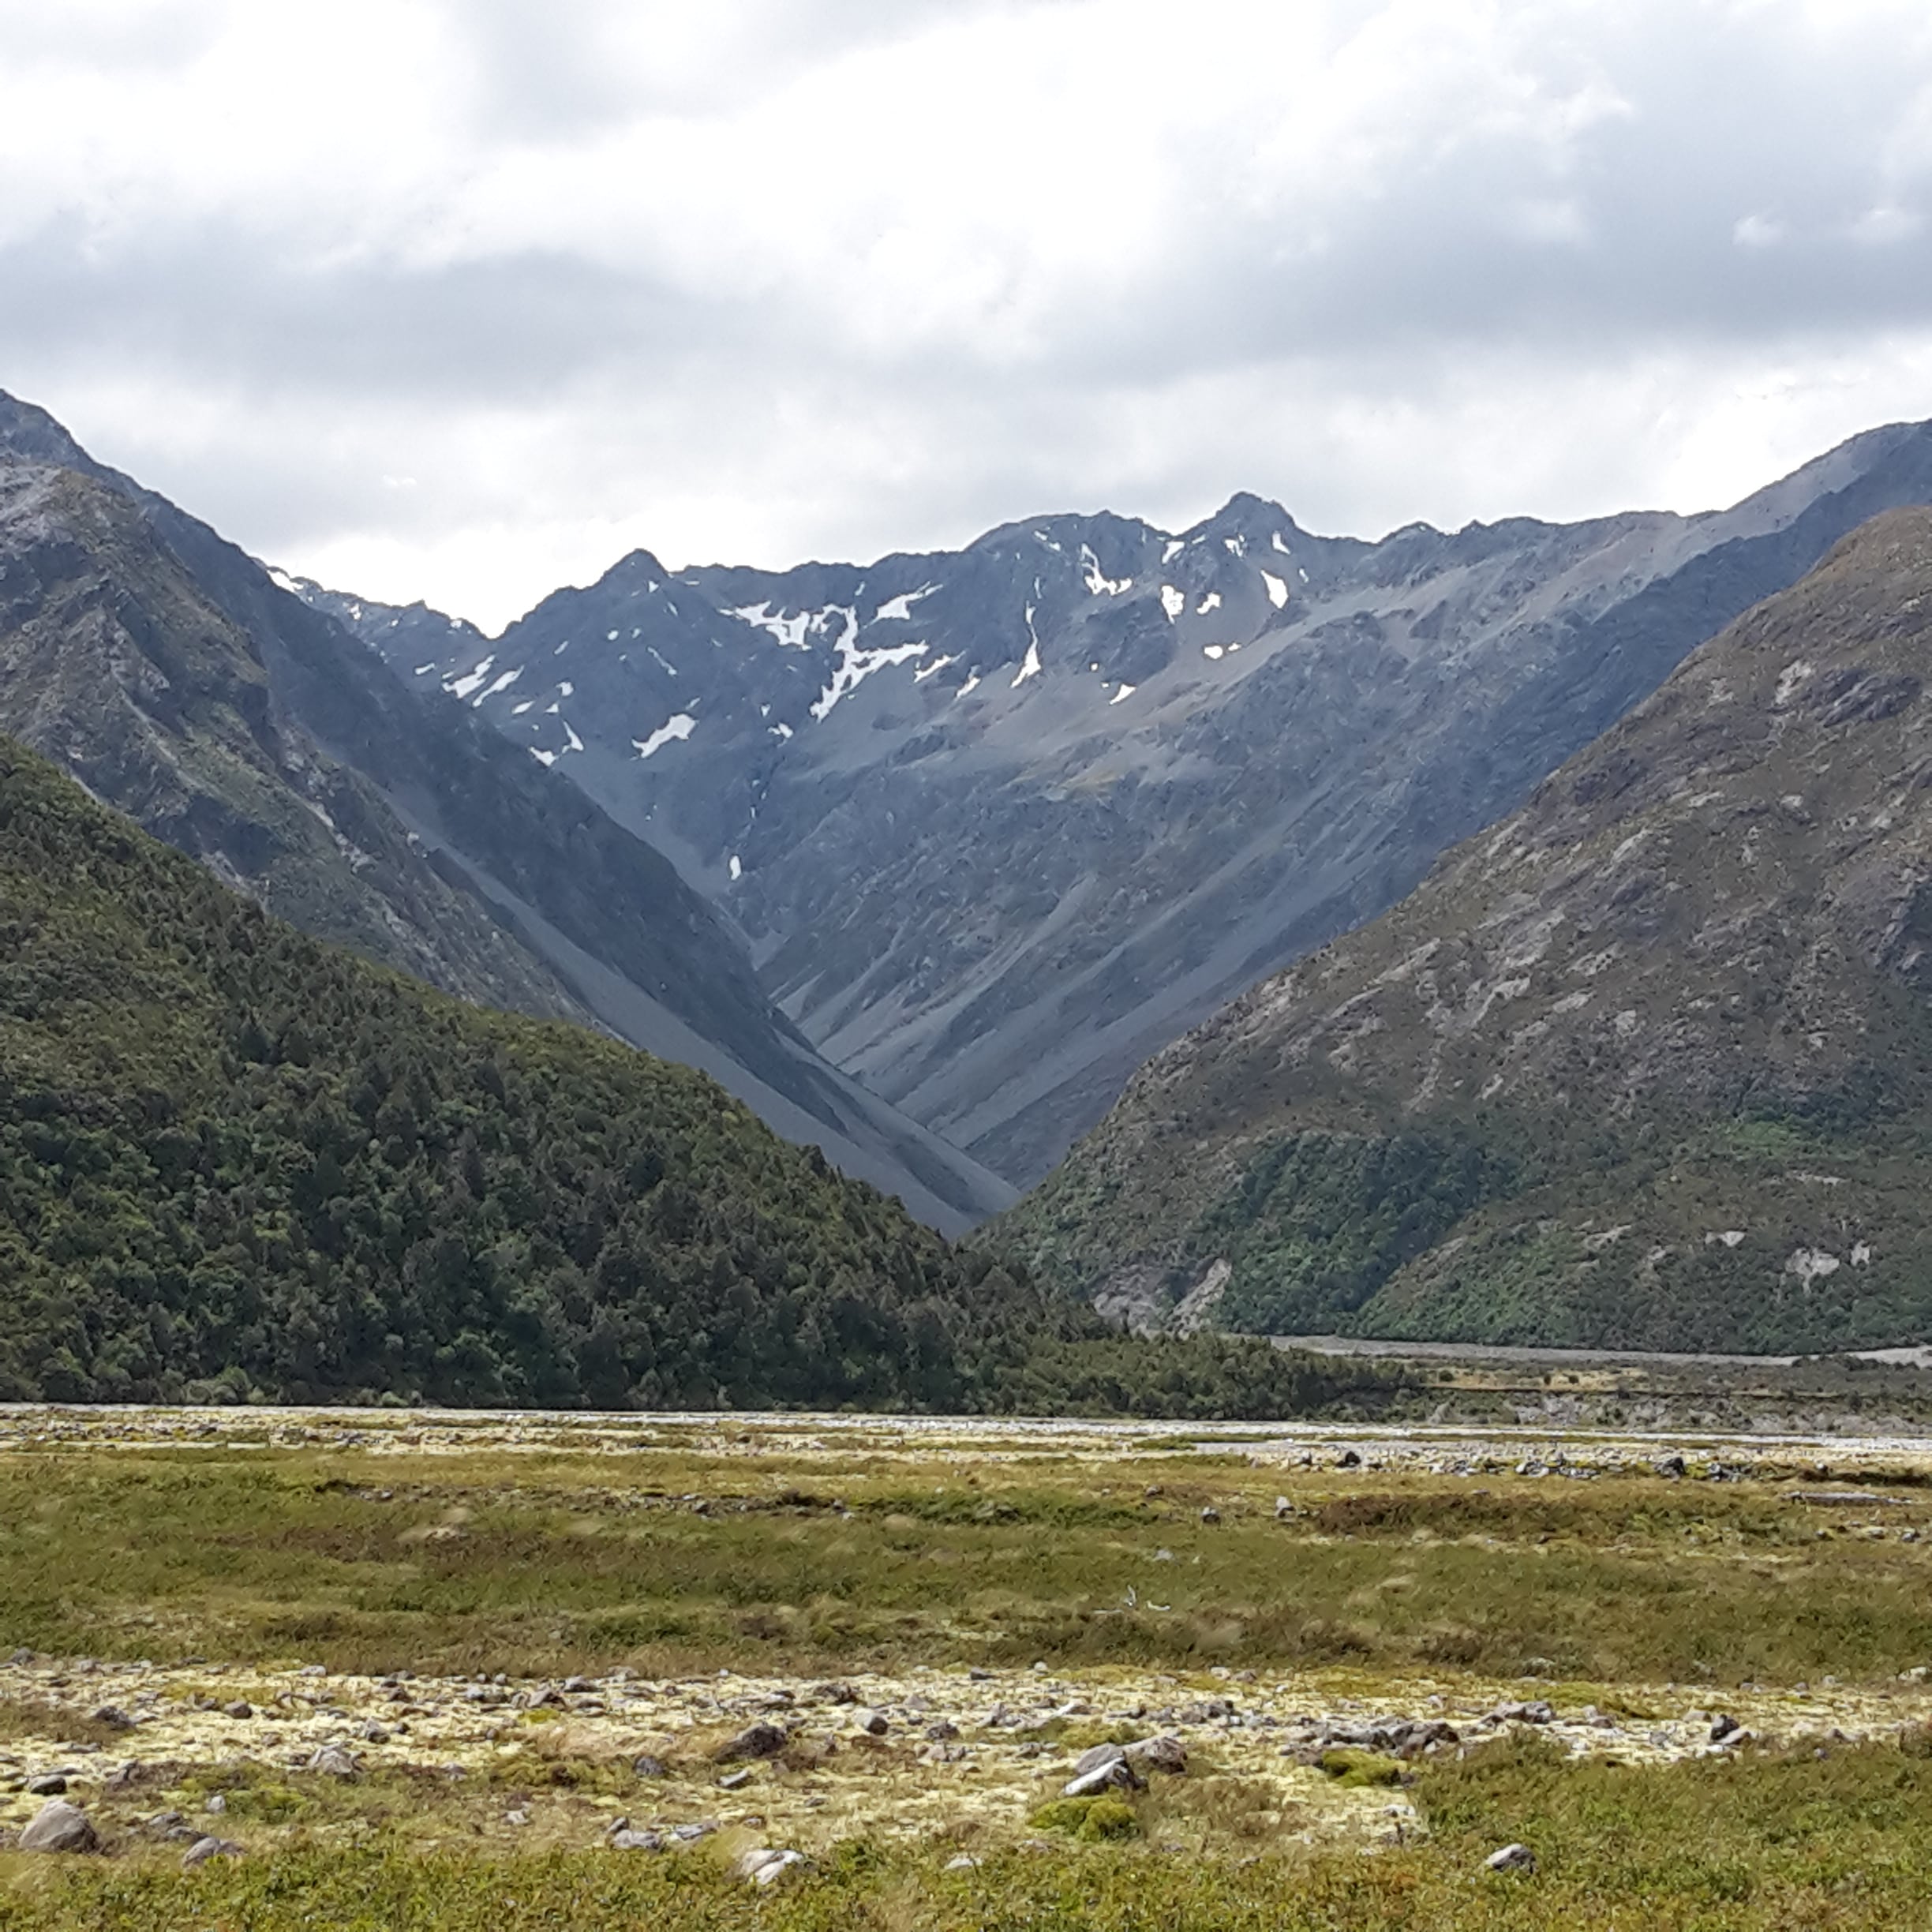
[[439, 1671]]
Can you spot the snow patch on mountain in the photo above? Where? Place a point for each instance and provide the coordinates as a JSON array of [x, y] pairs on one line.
[[789, 631], [1099, 585], [679, 725], [898, 609], [472, 681], [856, 665], [1173, 601]]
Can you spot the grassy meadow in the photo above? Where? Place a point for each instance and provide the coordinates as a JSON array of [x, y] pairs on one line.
[[678, 1576]]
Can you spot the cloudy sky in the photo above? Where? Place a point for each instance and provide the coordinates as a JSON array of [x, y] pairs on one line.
[[461, 299]]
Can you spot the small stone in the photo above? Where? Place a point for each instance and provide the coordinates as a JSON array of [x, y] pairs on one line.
[[689, 1834], [965, 1862], [203, 1849], [240, 1707], [734, 1781], [518, 1817], [1670, 1466], [1348, 1459], [646, 1766], [334, 1761], [1511, 1858], [1723, 1729], [58, 1826], [942, 1732], [373, 1733], [51, 1785], [874, 1722], [1210, 1514], [217, 1804], [112, 1715]]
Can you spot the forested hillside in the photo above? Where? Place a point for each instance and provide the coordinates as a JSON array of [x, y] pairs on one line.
[[237, 1161]]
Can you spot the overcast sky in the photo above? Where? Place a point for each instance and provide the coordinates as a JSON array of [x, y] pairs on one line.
[[461, 299]]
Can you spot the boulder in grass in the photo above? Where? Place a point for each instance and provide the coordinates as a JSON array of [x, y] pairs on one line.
[[1158, 1754], [759, 1740], [204, 1849], [1114, 1773], [763, 1864], [58, 1826], [1516, 1858]]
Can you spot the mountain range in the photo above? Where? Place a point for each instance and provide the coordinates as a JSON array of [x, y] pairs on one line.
[[182, 683], [1647, 1064], [995, 824]]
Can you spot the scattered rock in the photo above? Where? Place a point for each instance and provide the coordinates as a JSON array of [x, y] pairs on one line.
[[689, 1834], [1211, 1515], [942, 1732], [965, 1862], [734, 1781], [51, 1785], [1538, 1713], [1670, 1465], [1159, 1753], [871, 1721], [1091, 1760], [112, 1715], [217, 1804], [58, 1826], [334, 1761], [646, 1766], [764, 1865], [1114, 1774], [203, 1849], [240, 1707], [1348, 1459], [758, 1740], [626, 1840], [1511, 1858]]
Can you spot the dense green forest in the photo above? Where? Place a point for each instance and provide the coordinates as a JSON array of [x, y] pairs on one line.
[[236, 1164]]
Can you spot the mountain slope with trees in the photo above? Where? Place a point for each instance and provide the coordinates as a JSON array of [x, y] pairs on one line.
[[236, 1162], [172, 675], [1647, 1064]]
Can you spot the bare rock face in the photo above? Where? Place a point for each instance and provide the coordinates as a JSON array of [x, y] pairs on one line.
[[59, 1826], [1640, 1065]]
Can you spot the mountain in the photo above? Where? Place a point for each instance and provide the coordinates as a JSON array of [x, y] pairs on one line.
[[998, 823], [238, 1164], [1648, 1064], [180, 682]]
